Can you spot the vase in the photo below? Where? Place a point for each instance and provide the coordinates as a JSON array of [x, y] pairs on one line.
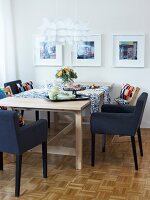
[[68, 84]]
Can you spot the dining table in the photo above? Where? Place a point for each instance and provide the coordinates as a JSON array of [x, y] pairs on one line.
[[38, 101]]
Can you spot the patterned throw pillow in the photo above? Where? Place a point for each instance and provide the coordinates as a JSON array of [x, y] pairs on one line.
[[20, 117], [125, 94], [126, 91], [24, 86], [2, 96]]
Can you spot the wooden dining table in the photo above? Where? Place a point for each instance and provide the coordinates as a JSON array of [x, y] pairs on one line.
[[75, 107]]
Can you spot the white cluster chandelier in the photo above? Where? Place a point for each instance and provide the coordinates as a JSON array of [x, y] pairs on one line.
[[63, 31]]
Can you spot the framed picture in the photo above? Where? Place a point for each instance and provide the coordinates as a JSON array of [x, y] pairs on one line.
[[46, 53], [128, 50], [87, 52]]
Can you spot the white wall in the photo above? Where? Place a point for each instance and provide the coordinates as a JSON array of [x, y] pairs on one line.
[[104, 16]]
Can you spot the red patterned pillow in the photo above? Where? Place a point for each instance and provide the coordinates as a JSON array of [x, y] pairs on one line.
[[126, 91], [2, 95], [24, 86], [20, 117]]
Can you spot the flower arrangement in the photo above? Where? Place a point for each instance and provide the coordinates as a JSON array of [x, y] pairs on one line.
[[66, 74]]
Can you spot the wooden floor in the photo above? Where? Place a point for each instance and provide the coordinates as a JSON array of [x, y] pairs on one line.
[[112, 178]]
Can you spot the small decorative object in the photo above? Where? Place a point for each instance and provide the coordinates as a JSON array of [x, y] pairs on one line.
[[66, 74], [128, 50], [87, 52], [74, 88], [93, 86]]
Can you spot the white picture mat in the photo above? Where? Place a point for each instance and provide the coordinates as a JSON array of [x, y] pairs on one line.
[[140, 50], [50, 62], [97, 53]]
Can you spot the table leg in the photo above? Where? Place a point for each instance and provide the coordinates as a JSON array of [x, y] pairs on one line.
[[78, 121], [56, 120]]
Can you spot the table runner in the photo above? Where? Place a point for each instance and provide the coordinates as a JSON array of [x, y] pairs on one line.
[[94, 94]]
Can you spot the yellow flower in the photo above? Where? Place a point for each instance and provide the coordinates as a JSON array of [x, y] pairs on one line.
[[59, 74]]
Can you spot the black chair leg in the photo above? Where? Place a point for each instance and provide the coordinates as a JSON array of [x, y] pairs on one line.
[[1, 160], [44, 158], [48, 118], [22, 112], [18, 174], [92, 149], [134, 152], [103, 142], [140, 141], [37, 115]]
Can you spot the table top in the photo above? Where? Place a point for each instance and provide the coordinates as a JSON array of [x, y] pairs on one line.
[[25, 100], [43, 104]]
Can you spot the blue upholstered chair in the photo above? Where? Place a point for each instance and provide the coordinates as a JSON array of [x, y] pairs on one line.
[[14, 89], [13, 86], [119, 119], [17, 140]]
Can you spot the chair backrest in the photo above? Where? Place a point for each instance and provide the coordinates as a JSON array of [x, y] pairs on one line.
[[9, 129], [13, 86], [140, 106], [134, 95], [128, 94]]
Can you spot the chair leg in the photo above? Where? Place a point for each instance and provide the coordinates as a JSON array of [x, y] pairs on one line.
[[18, 174], [140, 141], [44, 158], [37, 115], [92, 149], [48, 118], [134, 152], [1, 160], [103, 142], [22, 112]]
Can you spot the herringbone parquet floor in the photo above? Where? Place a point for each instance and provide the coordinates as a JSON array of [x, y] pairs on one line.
[[112, 178]]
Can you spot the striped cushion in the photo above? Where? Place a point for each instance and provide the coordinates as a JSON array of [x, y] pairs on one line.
[[2, 94], [20, 117], [126, 91], [22, 87], [125, 94]]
